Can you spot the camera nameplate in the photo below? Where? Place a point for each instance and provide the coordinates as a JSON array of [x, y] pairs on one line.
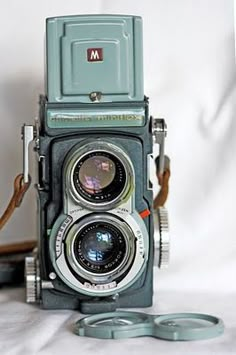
[[78, 118]]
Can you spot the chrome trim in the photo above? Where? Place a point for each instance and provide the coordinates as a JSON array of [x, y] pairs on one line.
[[141, 240], [81, 151], [125, 264], [28, 135]]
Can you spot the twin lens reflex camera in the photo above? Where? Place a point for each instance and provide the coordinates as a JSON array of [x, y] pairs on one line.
[[94, 140]]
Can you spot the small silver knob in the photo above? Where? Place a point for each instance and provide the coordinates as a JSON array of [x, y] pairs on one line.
[[162, 239], [159, 129], [32, 279], [95, 96]]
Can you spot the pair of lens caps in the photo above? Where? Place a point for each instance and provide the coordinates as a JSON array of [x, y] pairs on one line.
[[124, 324]]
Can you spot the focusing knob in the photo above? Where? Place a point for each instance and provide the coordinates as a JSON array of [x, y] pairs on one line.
[[162, 240], [32, 279]]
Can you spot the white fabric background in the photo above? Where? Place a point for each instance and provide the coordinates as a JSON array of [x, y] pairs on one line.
[[190, 78]]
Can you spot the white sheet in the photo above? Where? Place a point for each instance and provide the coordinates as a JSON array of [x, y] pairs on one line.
[[190, 79], [27, 330]]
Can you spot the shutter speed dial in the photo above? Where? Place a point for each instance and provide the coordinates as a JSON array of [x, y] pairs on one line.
[[32, 279]]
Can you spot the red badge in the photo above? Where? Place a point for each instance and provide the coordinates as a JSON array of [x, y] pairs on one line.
[[95, 54]]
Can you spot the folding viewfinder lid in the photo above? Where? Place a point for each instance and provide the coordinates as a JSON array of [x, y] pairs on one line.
[[94, 54]]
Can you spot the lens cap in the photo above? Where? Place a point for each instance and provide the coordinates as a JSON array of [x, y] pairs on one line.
[[178, 326], [188, 326]]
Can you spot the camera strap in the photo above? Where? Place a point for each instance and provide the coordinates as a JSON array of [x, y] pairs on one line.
[[163, 180], [20, 188], [12, 256]]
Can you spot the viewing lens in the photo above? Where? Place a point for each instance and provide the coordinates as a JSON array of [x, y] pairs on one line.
[[99, 177], [100, 247], [96, 173]]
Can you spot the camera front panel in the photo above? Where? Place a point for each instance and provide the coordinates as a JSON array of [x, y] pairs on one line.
[[118, 225], [98, 252]]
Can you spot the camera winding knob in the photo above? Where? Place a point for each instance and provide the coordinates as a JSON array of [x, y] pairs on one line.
[[32, 279], [162, 239]]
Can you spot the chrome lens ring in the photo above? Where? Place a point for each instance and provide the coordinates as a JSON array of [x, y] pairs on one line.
[[61, 244], [115, 268], [84, 152]]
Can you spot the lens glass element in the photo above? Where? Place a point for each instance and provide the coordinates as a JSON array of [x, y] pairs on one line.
[[99, 177], [100, 247], [96, 173]]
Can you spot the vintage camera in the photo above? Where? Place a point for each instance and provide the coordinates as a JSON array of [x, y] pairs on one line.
[[94, 141]]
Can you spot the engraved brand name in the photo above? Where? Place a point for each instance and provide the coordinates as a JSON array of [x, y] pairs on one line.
[[100, 287], [75, 118], [95, 54]]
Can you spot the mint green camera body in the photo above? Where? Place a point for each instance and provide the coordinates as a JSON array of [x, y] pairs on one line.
[[88, 54], [94, 105]]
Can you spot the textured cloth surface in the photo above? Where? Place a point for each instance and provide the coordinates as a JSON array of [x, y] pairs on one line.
[[28, 330], [189, 67]]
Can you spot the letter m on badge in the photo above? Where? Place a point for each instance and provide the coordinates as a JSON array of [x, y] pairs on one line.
[[95, 54]]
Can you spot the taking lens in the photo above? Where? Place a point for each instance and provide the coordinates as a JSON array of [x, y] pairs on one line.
[[99, 177], [100, 247]]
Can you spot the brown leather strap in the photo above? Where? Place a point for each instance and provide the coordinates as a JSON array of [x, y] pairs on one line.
[[163, 180], [20, 189], [161, 197], [16, 248]]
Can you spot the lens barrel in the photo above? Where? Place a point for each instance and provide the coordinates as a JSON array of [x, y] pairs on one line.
[[100, 247], [99, 175]]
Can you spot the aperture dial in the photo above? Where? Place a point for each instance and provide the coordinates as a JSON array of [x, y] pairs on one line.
[[100, 248]]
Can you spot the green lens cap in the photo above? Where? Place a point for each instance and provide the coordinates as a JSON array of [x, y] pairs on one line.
[[187, 326], [179, 326]]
